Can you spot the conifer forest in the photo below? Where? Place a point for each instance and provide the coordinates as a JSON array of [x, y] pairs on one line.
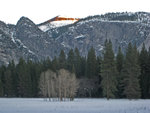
[[121, 75]]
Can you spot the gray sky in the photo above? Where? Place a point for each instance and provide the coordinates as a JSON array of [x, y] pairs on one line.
[[42, 10]]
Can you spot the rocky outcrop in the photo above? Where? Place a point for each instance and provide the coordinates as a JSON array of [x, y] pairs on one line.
[[12, 48]]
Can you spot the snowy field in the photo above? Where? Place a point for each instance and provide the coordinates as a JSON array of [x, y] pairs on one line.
[[19, 105]]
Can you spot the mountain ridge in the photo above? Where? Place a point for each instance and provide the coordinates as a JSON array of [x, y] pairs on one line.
[[30, 42]]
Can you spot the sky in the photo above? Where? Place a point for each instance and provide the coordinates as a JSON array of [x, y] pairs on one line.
[[41, 10]]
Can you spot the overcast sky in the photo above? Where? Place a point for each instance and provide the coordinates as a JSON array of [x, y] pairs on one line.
[[42, 10]]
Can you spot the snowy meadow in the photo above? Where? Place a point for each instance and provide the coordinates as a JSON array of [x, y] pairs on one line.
[[38, 105]]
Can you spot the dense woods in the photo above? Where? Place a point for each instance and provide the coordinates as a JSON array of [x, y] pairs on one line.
[[67, 76]]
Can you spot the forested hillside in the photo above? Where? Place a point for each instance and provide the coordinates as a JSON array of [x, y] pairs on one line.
[[112, 76]]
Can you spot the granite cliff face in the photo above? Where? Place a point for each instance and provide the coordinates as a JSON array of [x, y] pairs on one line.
[[12, 48], [36, 40], [26, 39], [94, 34], [121, 28]]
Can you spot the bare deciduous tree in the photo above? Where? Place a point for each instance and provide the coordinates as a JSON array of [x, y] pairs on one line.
[[43, 84], [73, 86], [62, 85]]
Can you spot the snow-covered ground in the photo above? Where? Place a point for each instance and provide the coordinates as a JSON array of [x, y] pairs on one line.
[[19, 105]]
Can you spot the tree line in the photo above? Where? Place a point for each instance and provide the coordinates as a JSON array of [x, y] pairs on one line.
[[120, 76]]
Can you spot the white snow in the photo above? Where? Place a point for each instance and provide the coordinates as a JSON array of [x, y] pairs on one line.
[[12, 38], [105, 20], [26, 105], [65, 44], [142, 33], [44, 28], [25, 47], [56, 24], [21, 44], [62, 23], [31, 52], [80, 36], [100, 47]]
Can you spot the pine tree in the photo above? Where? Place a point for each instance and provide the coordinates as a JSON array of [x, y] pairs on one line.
[[119, 63], [131, 72], [2, 78], [148, 71], [33, 75], [143, 59], [47, 64], [119, 60], [10, 80], [99, 62], [70, 60], [62, 60], [77, 63], [14, 78], [82, 69], [8, 83], [55, 64], [109, 72], [1, 89], [25, 85], [91, 63]]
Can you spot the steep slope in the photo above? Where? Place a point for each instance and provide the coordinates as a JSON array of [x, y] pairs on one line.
[[11, 48], [36, 40]]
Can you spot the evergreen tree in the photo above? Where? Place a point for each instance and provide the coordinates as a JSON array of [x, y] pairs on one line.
[[14, 78], [91, 63], [119, 63], [77, 63], [99, 62], [131, 72], [109, 72], [62, 60], [25, 85], [1, 89], [33, 75], [98, 65], [148, 71], [119, 60], [2, 77], [70, 61], [82, 69], [8, 83], [47, 64], [143, 59], [55, 64], [10, 80]]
